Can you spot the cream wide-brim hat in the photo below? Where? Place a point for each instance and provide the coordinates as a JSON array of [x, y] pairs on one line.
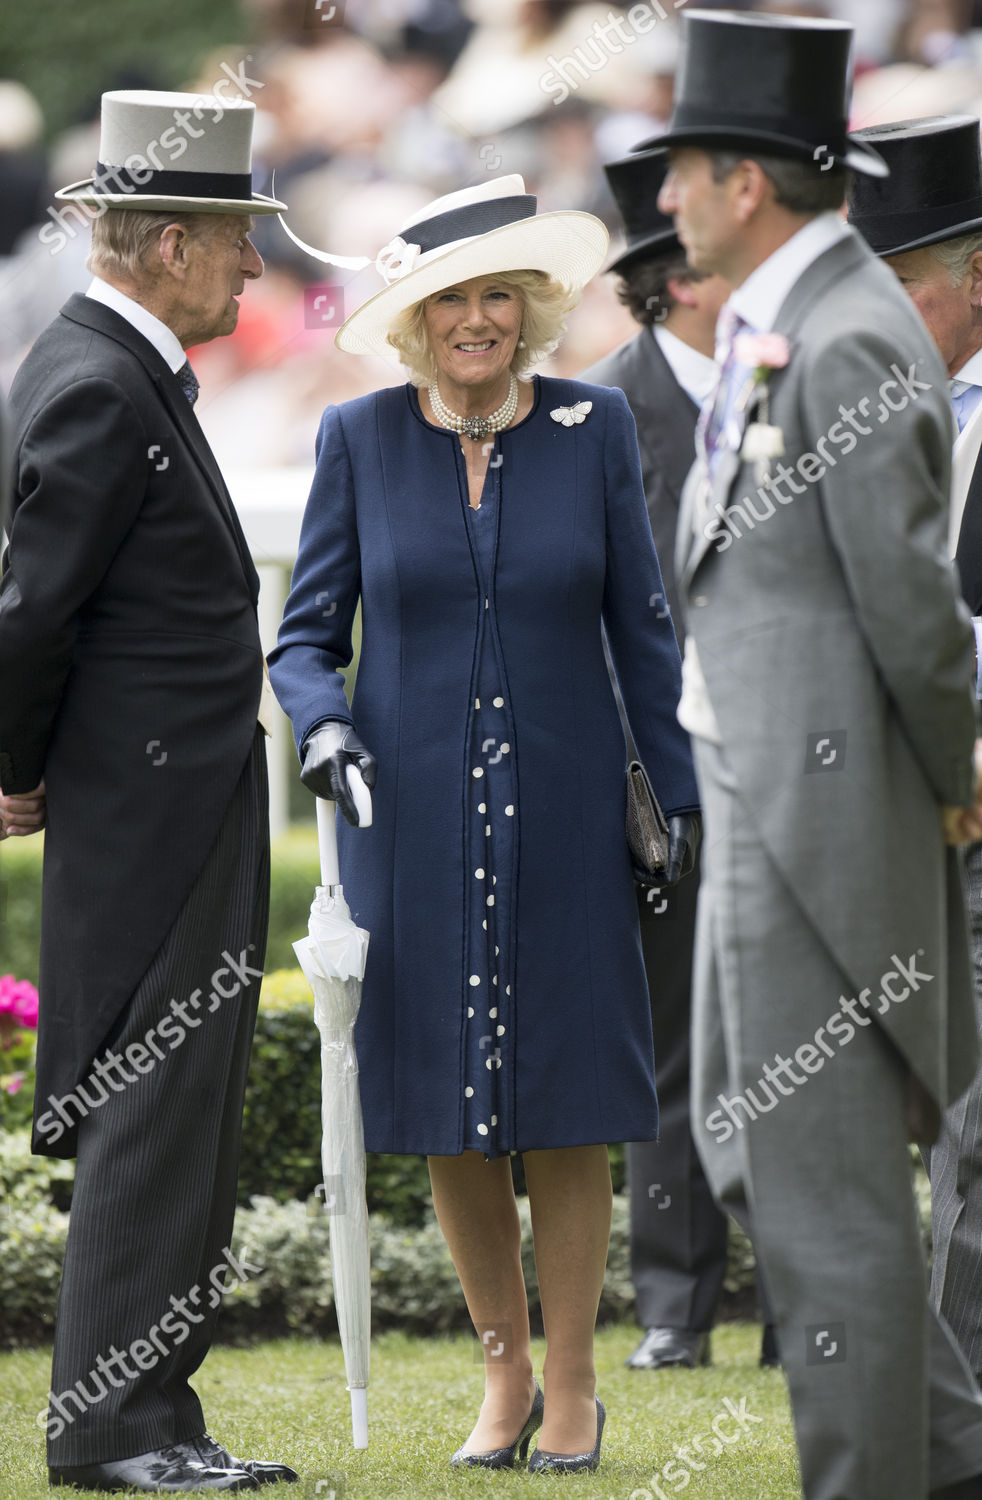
[[207, 164], [478, 231]]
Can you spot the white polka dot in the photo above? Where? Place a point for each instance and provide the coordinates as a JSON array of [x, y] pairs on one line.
[[475, 979], [478, 874], [487, 830], [498, 1062], [477, 702], [505, 748], [507, 989], [497, 950], [482, 1130], [470, 1011], [494, 1119], [499, 702], [494, 880], [478, 771], [493, 1013], [495, 979], [501, 1031], [490, 901], [509, 810], [468, 1092], [481, 807], [489, 1063], [484, 924]]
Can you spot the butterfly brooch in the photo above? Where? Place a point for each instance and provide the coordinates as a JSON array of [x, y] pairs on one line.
[[571, 415]]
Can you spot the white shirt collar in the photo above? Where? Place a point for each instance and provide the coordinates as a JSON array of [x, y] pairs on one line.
[[695, 372], [163, 339], [971, 371], [759, 300]]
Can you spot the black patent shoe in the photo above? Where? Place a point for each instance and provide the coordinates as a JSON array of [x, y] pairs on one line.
[[262, 1470], [162, 1471], [542, 1462], [507, 1457], [670, 1348]]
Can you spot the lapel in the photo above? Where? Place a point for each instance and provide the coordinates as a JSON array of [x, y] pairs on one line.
[[817, 279], [963, 466], [666, 415], [104, 320]]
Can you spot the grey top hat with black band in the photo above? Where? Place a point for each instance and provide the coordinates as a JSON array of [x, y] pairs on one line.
[[173, 151], [635, 182], [934, 191], [777, 83]]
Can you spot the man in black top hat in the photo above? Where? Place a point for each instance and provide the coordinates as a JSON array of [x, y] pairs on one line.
[[827, 687], [678, 1234], [925, 221]]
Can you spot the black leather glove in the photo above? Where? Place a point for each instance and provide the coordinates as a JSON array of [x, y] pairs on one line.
[[684, 835], [328, 752]]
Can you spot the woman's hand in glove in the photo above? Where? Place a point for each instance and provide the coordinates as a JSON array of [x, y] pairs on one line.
[[328, 752]]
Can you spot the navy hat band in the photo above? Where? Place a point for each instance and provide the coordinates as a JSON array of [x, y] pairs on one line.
[[472, 219]]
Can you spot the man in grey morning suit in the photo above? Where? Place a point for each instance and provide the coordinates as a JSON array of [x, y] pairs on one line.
[[132, 680], [678, 1234], [827, 686], [925, 221]]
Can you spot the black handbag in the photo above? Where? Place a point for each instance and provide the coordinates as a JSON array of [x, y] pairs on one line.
[[647, 830]]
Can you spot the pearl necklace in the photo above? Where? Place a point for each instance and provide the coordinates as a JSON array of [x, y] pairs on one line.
[[475, 427]]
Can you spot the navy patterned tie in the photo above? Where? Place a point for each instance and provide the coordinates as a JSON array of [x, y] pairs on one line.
[[188, 381]]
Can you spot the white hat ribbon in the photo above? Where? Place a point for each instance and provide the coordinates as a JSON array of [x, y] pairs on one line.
[[397, 259]]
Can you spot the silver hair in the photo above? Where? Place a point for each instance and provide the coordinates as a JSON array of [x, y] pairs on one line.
[[124, 239], [956, 255]]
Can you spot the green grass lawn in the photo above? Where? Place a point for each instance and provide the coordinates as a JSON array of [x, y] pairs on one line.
[[288, 1401]]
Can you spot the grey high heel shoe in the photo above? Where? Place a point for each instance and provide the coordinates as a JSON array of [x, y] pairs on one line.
[[507, 1457], [542, 1462]]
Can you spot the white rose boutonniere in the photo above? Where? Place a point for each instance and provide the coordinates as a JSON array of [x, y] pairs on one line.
[[762, 441]]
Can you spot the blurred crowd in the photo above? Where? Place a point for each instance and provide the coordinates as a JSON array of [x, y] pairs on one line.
[[367, 109]]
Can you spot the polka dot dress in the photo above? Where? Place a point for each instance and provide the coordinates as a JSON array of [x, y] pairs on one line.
[[488, 999]]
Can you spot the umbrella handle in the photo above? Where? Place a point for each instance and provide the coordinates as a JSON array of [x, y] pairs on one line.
[[326, 831], [359, 1416]]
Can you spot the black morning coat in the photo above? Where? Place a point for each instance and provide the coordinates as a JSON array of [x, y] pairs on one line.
[[130, 665]]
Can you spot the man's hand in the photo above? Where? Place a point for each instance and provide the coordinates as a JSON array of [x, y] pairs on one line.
[[963, 825], [327, 754], [22, 813]]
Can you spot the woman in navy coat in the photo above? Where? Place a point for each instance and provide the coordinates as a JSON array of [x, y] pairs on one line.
[[489, 526]]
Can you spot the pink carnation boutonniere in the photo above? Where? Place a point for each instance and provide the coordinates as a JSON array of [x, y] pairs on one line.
[[764, 353]]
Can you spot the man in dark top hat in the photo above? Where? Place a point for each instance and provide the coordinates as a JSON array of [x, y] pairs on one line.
[[827, 688], [925, 220], [678, 1234], [133, 683]]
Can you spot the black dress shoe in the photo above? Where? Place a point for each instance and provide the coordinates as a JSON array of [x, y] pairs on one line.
[[770, 1358], [665, 1348], [261, 1469], [164, 1470], [964, 1489]]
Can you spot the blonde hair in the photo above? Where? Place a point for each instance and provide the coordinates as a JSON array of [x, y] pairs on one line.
[[546, 305]]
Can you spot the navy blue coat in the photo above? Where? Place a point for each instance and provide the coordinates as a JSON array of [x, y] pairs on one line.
[[385, 523]]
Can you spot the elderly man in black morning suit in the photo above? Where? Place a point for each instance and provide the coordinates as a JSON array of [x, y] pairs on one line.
[[132, 682], [925, 220], [678, 1234], [827, 688]]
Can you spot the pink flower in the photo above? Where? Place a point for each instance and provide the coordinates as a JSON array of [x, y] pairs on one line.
[[18, 1001], [14, 1086], [765, 351]]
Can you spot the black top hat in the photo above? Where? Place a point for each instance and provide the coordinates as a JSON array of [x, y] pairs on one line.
[[635, 182], [777, 83], [934, 191]]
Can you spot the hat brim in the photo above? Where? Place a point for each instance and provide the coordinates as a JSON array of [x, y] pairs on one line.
[[936, 237], [857, 156], [83, 192], [665, 242], [568, 245]]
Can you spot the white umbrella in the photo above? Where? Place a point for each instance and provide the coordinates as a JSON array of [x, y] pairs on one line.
[[332, 956]]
